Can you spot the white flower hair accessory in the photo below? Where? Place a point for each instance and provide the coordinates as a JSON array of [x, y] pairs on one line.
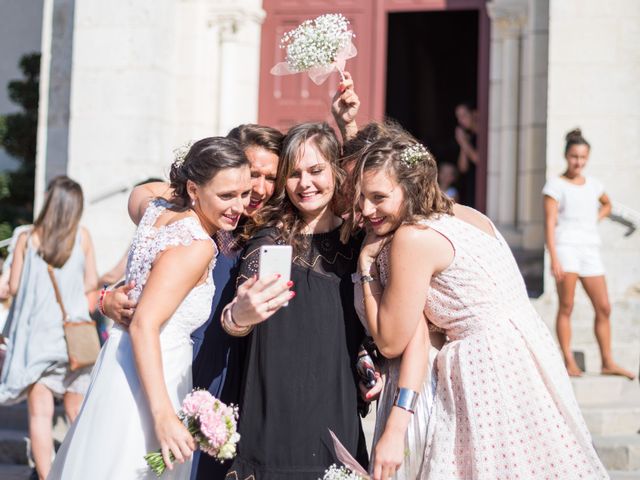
[[414, 154], [180, 153], [318, 47]]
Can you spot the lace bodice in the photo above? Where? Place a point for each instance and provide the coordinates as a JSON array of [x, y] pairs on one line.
[[148, 242]]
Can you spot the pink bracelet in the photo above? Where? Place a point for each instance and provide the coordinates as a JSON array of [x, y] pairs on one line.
[[103, 293]]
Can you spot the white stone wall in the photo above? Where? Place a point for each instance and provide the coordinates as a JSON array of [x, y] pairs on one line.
[[20, 28], [594, 83], [147, 76]]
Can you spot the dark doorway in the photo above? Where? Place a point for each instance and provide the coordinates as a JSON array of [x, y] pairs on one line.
[[432, 66]]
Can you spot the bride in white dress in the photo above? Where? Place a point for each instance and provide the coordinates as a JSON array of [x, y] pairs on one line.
[[143, 374]]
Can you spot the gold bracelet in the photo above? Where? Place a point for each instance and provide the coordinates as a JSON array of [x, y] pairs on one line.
[[233, 330]]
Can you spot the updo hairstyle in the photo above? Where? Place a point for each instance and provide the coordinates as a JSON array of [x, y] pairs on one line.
[[574, 137], [202, 162]]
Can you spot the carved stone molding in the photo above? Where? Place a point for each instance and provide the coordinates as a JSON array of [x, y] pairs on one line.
[[508, 16], [230, 19]]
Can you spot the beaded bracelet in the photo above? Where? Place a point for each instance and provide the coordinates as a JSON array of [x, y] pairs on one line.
[[103, 293]]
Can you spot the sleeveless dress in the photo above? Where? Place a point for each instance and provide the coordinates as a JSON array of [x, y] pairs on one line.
[[37, 351], [300, 379], [413, 465], [114, 429], [504, 406]]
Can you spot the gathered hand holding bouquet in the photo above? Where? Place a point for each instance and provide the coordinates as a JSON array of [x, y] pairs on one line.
[[212, 424], [317, 47]]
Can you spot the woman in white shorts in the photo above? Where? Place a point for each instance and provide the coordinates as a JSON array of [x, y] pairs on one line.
[[573, 205]]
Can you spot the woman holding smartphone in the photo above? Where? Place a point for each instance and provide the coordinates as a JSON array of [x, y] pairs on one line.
[[300, 378]]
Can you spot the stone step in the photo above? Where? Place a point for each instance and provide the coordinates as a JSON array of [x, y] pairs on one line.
[[612, 419], [15, 472], [619, 452], [13, 446], [17, 416], [621, 475], [592, 389]]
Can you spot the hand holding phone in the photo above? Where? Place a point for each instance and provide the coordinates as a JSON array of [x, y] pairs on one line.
[[275, 259]]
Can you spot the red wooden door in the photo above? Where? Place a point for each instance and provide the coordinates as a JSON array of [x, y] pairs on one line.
[[286, 100]]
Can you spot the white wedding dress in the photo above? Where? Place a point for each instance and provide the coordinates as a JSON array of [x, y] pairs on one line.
[[114, 429]]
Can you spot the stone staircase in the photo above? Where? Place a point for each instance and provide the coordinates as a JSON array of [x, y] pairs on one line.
[[14, 443], [611, 409]]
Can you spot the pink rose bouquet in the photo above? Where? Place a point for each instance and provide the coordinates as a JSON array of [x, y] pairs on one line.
[[212, 424]]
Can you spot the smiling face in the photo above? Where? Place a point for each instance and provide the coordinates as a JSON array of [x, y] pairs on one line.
[[264, 166], [381, 201], [311, 184], [577, 157], [220, 202]]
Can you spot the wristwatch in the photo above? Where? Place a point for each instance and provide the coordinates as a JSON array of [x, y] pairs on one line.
[[361, 278]]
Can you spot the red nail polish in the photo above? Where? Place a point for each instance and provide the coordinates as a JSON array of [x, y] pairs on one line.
[[293, 294], [289, 283]]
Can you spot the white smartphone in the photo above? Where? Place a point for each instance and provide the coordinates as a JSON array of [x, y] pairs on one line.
[[275, 259]]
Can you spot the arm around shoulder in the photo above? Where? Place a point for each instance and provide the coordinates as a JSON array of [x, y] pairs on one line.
[[143, 194]]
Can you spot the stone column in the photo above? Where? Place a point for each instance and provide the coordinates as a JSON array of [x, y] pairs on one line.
[[238, 31], [507, 20]]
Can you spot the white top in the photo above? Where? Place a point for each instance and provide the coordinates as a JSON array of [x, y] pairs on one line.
[[578, 208]]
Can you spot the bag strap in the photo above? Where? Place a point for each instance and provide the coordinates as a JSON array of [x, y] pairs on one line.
[[52, 276]]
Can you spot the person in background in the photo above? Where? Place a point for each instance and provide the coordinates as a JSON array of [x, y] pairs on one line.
[[37, 365], [466, 134], [574, 204], [447, 176]]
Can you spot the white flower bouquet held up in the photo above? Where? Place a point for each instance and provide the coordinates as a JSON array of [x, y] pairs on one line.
[[212, 424], [317, 47]]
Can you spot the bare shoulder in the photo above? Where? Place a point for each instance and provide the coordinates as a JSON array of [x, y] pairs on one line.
[[474, 217], [411, 242]]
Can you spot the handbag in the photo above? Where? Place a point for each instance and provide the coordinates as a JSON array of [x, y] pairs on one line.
[[81, 336]]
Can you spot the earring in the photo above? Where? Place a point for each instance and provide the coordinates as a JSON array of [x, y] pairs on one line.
[[193, 203]]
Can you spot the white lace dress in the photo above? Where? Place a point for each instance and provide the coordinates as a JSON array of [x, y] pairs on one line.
[[114, 429]]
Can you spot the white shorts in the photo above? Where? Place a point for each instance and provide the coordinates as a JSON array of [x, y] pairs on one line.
[[580, 259]]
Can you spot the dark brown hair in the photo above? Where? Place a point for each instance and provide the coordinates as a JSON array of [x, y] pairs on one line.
[[205, 158], [279, 211], [419, 181], [574, 137], [252, 135], [58, 221]]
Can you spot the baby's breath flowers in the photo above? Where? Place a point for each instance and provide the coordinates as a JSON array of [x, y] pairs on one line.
[[180, 153], [340, 473], [414, 154], [318, 47]]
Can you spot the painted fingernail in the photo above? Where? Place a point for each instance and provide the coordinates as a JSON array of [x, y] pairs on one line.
[[292, 294], [289, 283]]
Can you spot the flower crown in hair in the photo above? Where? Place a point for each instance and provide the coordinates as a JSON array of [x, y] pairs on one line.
[[413, 154], [180, 153]]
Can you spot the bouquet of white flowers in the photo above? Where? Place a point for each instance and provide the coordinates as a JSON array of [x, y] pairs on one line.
[[318, 47]]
